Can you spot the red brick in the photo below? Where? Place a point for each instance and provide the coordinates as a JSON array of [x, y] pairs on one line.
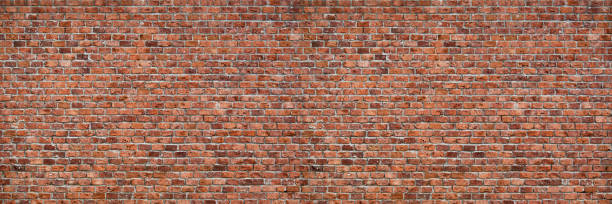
[[305, 101]]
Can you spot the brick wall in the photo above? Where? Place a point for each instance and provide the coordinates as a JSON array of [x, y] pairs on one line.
[[305, 100]]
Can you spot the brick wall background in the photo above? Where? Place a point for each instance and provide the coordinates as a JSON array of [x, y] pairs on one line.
[[305, 100]]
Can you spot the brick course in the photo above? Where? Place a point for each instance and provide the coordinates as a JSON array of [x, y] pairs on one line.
[[380, 101]]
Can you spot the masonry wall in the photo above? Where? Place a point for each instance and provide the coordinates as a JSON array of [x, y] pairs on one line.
[[305, 101]]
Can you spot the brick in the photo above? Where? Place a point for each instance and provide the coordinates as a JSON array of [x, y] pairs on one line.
[[341, 101]]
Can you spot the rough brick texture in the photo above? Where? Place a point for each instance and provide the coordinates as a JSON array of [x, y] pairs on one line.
[[251, 101]]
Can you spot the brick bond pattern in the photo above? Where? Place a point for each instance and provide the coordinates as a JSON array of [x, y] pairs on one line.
[[297, 100]]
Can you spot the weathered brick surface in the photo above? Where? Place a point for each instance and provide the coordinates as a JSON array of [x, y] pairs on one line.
[[302, 100]]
